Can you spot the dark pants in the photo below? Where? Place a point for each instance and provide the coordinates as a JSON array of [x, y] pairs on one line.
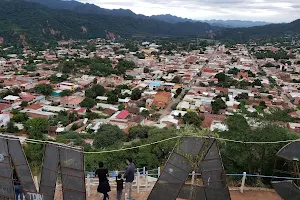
[[119, 194], [18, 192], [105, 196]]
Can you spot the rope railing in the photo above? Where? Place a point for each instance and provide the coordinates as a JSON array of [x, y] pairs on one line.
[[168, 139]]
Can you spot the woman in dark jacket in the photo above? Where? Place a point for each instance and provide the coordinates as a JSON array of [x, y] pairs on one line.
[[103, 187]]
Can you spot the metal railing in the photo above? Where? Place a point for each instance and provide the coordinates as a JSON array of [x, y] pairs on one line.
[[146, 179]]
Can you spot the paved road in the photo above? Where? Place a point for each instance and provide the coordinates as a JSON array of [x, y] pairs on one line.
[[168, 109]]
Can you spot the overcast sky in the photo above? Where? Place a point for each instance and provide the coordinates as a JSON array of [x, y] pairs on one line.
[[254, 10]]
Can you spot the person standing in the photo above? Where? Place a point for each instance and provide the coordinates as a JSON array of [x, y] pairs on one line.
[[103, 187], [120, 186], [17, 186], [129, 177]]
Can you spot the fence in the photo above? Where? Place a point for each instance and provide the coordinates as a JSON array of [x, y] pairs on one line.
[[146, 179]]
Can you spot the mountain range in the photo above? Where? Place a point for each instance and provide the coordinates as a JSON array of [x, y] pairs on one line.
[[221, 23], [93, 9], [37, 21]]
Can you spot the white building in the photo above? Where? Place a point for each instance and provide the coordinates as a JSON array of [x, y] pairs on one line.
[[4, 119]]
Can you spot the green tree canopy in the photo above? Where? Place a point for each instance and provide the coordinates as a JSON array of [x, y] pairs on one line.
[[242, 96], [218, 104], [192, 118], [94, 91], [112, 98], [88, 103], [138, 132], [121, 106], [20, 117], [11, 127], [108, 135], [66, 93], [145, 113], [24, 104], [44, 89], [254, 158], [178, 91], [36, 128], [136, 94], [176, 79]]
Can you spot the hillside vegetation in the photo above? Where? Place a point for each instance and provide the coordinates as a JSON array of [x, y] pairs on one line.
[[39, 23]]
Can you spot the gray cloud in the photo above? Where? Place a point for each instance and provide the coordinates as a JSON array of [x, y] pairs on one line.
[[262, 10]]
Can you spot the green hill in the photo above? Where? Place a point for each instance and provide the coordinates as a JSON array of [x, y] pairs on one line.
[[39, 23], [245, 34]]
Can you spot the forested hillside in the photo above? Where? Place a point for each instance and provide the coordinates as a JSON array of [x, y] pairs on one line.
[[245, 34], [39, 23]]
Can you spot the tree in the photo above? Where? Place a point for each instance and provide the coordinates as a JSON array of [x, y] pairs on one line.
[[257, 82], [121, 106], [94, 91], [242, 96], [36, 128], [257, 158], [124, 65], [233, 71], [108, 135], [24, 104], [44, 89], [112, 98], [88, 103], [176, 79], [146, 70], [20, 117], [92, 115], [65, 93], [218, 104], [139, 132], [262, 104], [72, 117], [136, 94], [192, 118], [221, 77], [145, 113], [178, 91], [11, 128], [57, 79]]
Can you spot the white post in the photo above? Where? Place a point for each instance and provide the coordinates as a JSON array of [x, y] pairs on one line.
[[146, 181], [193, 177], [243, 182], [144, 170], [36, 183], [88, 185], [158, 171], [138, 182]]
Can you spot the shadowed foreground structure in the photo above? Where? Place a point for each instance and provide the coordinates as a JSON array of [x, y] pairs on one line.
[[192, 154], [288, 190]]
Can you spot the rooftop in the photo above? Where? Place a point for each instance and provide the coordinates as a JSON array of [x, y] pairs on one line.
[[11, 98]]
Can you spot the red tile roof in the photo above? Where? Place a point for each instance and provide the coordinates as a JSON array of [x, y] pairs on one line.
[[209, 118], [3, 106], [123, 114], [28, 98], [34, 106]]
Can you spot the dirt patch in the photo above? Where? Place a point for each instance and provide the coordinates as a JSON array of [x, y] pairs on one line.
[[254, 195], [249, 194]]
